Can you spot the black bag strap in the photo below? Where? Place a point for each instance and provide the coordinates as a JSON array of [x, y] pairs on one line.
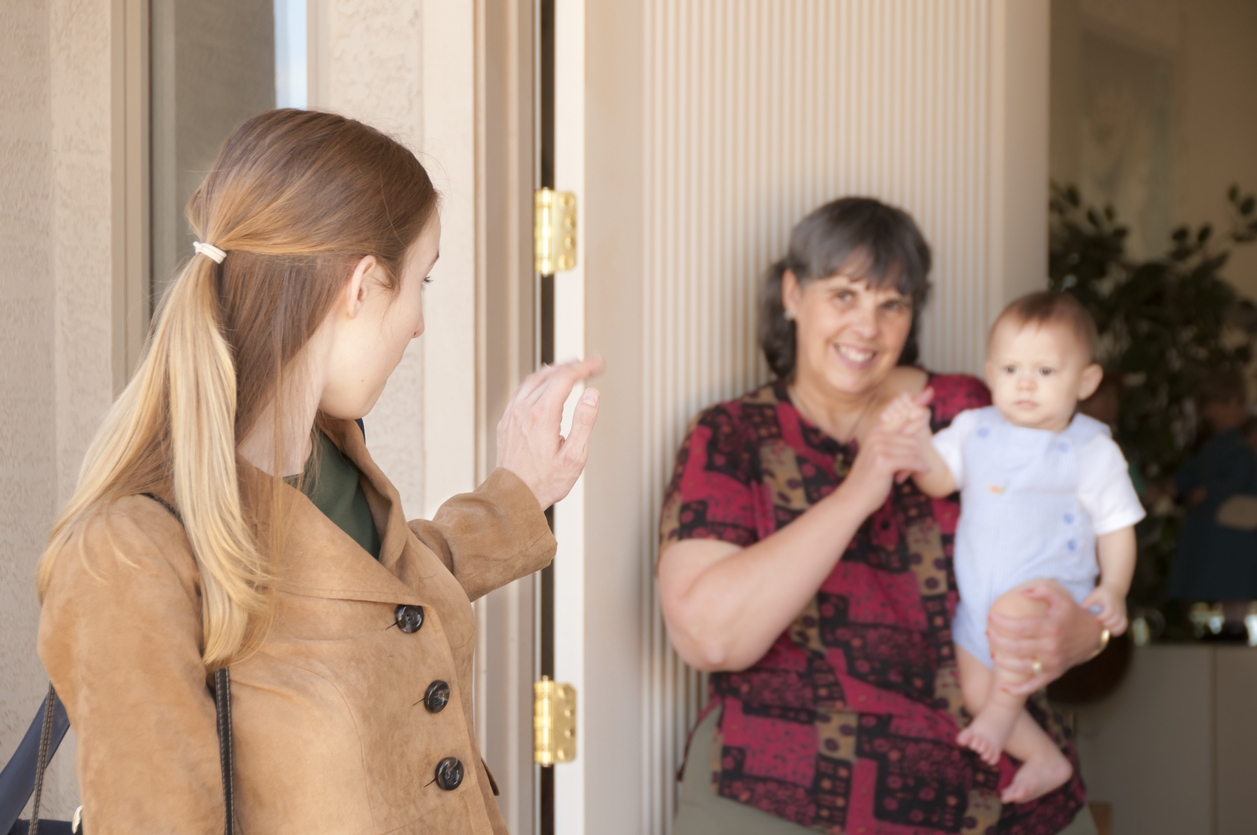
[[222, 706], [23, 775]]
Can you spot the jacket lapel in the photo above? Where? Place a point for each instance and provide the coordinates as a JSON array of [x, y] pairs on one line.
[[321, 560], [382, 496]]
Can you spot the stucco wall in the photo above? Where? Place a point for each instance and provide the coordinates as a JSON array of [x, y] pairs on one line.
[[55, 289], [27, 452]]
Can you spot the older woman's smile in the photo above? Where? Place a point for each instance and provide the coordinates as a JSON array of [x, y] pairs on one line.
[[855, 354]]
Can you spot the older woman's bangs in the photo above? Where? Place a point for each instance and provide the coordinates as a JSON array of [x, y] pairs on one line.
[[864, 240]]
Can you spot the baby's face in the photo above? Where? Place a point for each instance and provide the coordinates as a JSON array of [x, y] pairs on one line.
[[1037, 374]]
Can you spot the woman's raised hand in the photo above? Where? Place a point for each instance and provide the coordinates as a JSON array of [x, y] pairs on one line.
[[529, 440], [887, 454], [1065, 636], [884, 457]]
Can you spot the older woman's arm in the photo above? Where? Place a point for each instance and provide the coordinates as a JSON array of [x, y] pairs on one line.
[[724, 605], [1065, 636]]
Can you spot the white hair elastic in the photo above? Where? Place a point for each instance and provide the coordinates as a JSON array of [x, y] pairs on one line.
[[209, 251]]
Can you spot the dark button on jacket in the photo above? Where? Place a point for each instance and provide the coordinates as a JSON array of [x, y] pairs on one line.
[[409, 618], [449, 773], [436, 697]]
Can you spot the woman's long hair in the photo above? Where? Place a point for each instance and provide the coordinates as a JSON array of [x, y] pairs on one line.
[[295, 199]]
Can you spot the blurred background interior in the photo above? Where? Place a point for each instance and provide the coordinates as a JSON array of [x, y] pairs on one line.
[[1106, 148]]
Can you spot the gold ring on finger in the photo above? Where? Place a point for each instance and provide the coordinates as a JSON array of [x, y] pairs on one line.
[[1036, 667]]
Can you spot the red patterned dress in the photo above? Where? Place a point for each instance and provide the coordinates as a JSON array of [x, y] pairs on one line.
[[848, 723]]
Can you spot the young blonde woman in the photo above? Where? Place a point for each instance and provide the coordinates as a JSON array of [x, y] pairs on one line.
[[228, 515]]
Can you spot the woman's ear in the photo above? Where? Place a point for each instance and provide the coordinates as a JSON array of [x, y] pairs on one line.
[[358, 285], [790, 293], [1090, 381]]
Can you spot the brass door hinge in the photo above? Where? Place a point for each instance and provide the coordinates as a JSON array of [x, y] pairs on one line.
[[553, 231], [553, 722]]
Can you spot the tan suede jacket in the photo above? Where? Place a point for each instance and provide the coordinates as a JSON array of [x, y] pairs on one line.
[[332, 730]]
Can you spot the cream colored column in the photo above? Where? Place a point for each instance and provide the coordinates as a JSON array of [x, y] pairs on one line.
[[407, 67], [712, 127]]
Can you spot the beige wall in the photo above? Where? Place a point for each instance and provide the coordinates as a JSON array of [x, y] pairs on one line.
[[1208, 45], [56, 285]]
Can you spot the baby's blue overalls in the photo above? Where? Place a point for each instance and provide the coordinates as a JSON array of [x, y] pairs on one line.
[[1020, 518]]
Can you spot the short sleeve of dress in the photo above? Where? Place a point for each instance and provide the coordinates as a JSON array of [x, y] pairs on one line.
[[953, 394], [1104, 487], [715, 482]]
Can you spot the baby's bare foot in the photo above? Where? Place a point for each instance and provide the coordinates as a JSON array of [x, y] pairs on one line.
[[988, 732], [1042, 773]]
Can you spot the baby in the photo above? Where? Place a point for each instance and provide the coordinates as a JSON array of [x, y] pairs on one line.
[[1044, 491]]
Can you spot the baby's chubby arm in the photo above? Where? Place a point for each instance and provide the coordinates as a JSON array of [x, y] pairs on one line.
[[907, 415], [1116, 553]]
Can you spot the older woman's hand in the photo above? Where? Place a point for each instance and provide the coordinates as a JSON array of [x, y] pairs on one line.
[[887, 454], [1065, 636], [530, 443]]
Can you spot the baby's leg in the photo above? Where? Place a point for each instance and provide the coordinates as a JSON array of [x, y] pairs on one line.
[[994, 711], [994, 718], [976, 680], [1001, 721], [1043, 766]]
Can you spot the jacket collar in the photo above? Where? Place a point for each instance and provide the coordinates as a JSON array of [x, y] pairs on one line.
[[321, 560]]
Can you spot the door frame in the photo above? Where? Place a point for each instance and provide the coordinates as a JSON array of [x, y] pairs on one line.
[[506, 352]]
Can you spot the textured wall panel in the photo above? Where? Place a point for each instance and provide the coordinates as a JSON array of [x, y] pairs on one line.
[[55, 291], [757, 112]]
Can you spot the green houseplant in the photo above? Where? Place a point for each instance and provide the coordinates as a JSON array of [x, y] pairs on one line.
[[1163, 323]]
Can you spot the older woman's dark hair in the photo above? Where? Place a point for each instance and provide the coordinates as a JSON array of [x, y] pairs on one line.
[[860, 237]]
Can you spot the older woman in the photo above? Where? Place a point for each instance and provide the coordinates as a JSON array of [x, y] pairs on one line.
[[814, 583]]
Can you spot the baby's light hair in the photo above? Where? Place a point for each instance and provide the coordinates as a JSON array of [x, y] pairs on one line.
[[1052, 308]]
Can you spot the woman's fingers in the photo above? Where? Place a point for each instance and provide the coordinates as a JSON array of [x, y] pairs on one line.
[[576, 446], [1031, 685], [532, 383], [1013, 627], [566, 375], [1016, 653], [530, 442]]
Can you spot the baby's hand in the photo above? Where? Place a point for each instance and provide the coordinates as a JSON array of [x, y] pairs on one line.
[[904, 415], [1112, 614]]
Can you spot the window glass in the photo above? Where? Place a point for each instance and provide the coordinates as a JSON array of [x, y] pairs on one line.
[[214, 65]]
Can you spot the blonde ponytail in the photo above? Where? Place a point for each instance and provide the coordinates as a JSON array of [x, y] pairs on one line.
[[206, 484], [294, 198], [183, 400]]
